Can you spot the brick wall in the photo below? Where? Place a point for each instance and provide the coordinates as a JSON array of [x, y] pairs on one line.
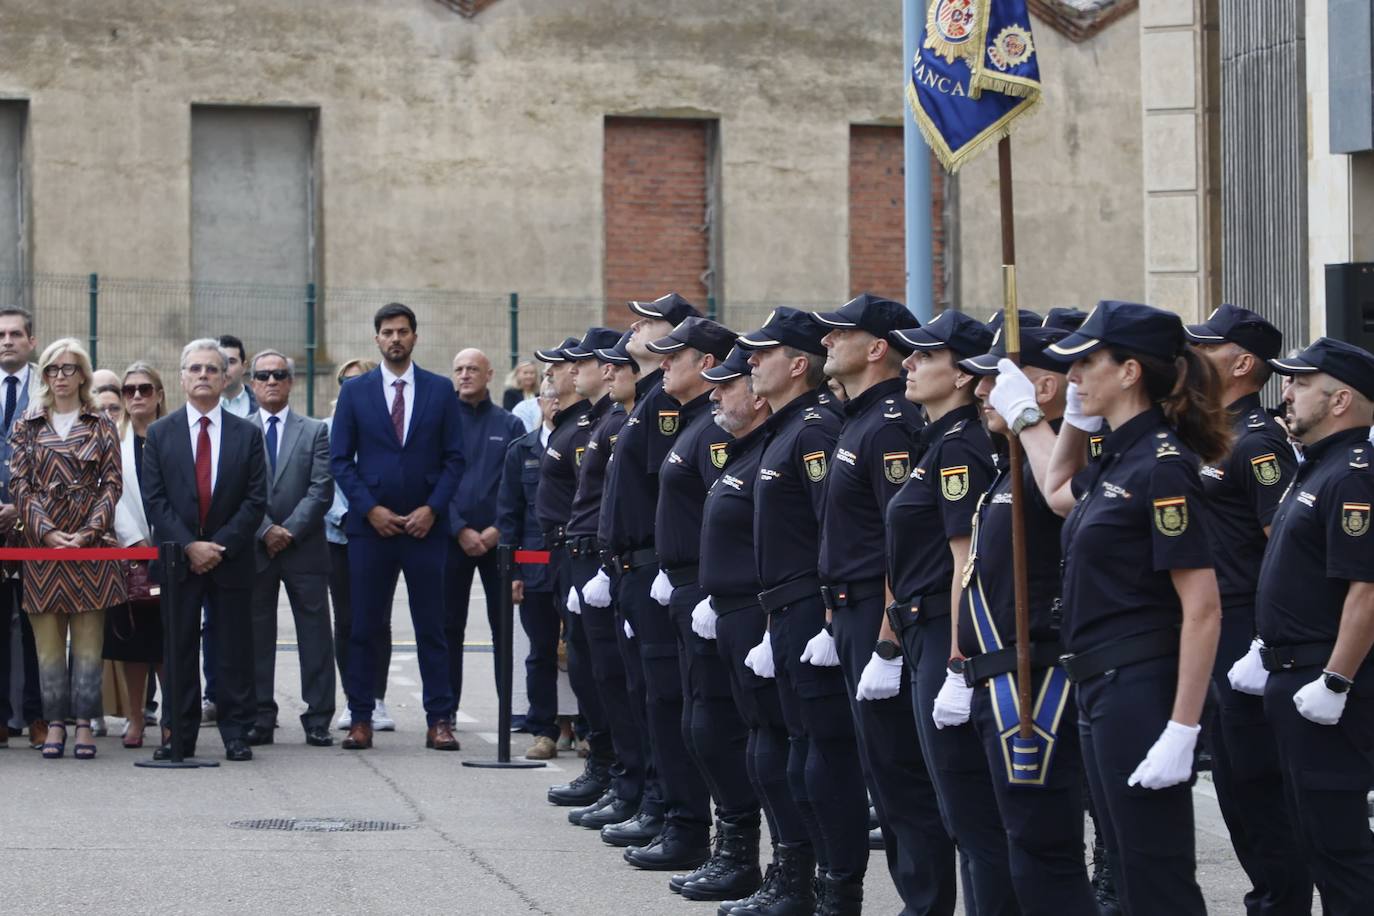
[[877, 230], [655, 199]]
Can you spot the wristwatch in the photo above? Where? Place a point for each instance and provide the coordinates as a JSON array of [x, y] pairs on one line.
[[887, 650], [1029, 417], [956, 664], [1336, 683]]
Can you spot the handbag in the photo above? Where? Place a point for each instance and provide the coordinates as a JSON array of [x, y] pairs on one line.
[[138, 579]]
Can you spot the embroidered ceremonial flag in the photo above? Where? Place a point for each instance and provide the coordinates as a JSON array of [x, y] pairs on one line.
[[975, 72]]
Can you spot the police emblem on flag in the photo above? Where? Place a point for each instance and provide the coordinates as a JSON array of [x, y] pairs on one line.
[[667, 422], [954, 482], [1266, 468], [577, 456], [896, 466], [1355, 518], [718, 453], [815, 466], [1171, 516], [951, 25]]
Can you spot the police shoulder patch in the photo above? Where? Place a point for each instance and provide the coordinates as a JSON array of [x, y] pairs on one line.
[[815, 466], [1355, 519], [896, 466], [667, 422], [718, 454], [1171, 515], [954, 482], [1266, 468]]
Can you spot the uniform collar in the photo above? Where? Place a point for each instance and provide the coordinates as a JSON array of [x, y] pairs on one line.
[[944, 424], [1243, 405], [601, 407], [744, 443], [1353, 436], [646, 382], [697, 404], [800, 402], [886, 388], [569, 413], [1118, 440]]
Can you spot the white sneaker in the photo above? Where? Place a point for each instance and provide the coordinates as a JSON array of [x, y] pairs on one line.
[[345, 720], [209, 712], [98, 727], [381, 719]]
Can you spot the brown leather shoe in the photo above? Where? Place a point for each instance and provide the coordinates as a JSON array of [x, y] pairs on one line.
[[359, 737], [440, 737], [38, 733]]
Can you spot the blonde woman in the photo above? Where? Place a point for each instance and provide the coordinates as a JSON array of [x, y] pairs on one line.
[[522, 384], [65, 477]]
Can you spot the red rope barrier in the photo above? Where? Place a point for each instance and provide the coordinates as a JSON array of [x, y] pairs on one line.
[[78, 553], [533, 557]]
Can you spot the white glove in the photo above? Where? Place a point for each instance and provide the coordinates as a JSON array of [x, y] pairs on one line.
[[597, 591], [629, 631], [1247, 675], [1073, 412], [881, 679], [820, 651], [704, 619], [1317, 703], [662, 590], [574, 605], [760, 658], [954, 702], [1170, 760], [1013, 394]]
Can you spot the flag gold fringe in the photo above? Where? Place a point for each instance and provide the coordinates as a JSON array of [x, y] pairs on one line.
[[954, 160]]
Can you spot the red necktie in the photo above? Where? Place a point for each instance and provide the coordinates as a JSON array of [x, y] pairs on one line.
[[398, 410], [203, 469]]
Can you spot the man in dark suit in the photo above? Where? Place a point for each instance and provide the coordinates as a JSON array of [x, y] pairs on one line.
[[397, 452], [292, 550], [205, 488]]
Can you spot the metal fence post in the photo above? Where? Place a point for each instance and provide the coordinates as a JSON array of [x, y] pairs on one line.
[[514, 329], [711, 308], [93, 319], [310, 349]]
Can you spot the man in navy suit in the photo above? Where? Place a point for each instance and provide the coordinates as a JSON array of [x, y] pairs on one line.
[[397, 453]]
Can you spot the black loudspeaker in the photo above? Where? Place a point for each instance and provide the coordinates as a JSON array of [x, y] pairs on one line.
[[1350, 303]]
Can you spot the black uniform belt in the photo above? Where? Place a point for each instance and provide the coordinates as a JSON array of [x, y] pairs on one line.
[[729, 604], [1297, 655], [679, 576], [555, 537], [902, 614], [635, 559], [843, 594], [1155, 644], [779, 597], [583, 546], [979, 668]]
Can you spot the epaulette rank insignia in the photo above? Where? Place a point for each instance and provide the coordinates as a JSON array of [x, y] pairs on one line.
[[1165, 448], [1256, 420], [1358, 459], [955, 429], [812, 415], [584, 420]]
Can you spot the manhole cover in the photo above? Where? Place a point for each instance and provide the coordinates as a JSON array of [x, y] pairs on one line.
[[319, 824]]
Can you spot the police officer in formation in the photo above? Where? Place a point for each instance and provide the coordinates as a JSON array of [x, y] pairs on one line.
[[814, 604]]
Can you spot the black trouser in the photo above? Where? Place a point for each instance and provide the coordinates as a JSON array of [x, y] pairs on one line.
[[308, 595], [823, 763], [1327, 773], [1249, 783], [711, 724], [540, 620], [756, 698], [458, 572], [601, 632], [630, 605], [686, 801], [341, 598], [920, 854], [580, 677], [31, 700], [1121, 714], [1044, 824], [233, 634]]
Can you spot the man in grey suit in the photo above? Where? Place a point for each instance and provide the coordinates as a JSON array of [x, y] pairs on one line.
[[292, 550]]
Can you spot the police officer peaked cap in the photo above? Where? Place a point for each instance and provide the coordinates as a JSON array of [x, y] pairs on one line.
[[1233, 324], [700, 334], [558, 354], [594, 339], [1131, 326], [1338, 359], [1033, 344], [736, 365], [867, 312], [788, 327], [950, 330], [619, 352], [1027, 319], [671, 308], [1066, 319]]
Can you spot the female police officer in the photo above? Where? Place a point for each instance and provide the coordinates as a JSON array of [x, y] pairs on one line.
[[1141, 606]]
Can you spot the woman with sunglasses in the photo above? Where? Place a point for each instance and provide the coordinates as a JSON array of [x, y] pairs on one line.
[[65, 477], [133, 633]]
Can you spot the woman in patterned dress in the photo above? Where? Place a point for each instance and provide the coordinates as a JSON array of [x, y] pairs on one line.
[[66, 480]]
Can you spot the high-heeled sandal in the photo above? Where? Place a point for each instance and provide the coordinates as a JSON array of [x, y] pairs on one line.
[[133, 745], [52, 750], [84, 751]]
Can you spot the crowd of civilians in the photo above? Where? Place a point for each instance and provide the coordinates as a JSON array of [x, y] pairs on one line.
[[73, 473]]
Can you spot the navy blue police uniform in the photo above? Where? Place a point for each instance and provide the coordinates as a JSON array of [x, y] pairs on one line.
[[1242, 493], [1140, 515], [873, 456], [1318, 546]]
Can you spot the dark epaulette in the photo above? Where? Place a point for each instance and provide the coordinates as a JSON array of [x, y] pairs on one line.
[[584, 420], [892, 410], [1359, 456], [1257, 419], [1165, 445], [956, 429], [811, 416]]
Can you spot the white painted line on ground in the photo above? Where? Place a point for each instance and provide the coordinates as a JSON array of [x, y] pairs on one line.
[[404, 657], [488, 737], [463, 718], [402, 681]]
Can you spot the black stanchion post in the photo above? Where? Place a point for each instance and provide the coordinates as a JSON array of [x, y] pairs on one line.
[[170, 556], [502, 641]]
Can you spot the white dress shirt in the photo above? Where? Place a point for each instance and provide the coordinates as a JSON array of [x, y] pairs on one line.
[[216, 416], [238, 405], [266, 415], [408, 392]]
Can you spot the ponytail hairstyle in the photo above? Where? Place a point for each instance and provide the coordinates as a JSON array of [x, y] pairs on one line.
[[1188, 390]]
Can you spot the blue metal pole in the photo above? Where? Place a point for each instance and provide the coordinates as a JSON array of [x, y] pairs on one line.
[[919, 268]]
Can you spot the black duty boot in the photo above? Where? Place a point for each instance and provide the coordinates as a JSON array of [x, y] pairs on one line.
[[789, 888], [1104, 886], [616, 812], [843, 897], [575, 815], [589, 785], [676, 882], [736, 872], [639, 830], [674, 850]]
